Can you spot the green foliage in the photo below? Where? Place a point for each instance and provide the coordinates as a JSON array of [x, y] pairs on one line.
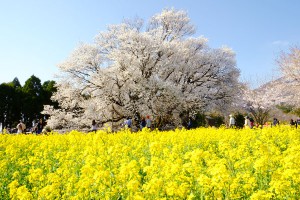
[[239, 120], [289, 109], [10, 110], [285, 108], [17, 102], [184, 116], [296, 111], [16, 83], [163, 122], [215, 120], [32, 98], [48, 88], [200, 120]]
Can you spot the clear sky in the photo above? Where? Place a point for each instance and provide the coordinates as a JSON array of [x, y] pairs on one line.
[[37, 35]]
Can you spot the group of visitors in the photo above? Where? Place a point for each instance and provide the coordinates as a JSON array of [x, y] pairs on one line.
[[142, 123], [37, 127], [145, 122], [127, 123], [249, 122], [295, 123]]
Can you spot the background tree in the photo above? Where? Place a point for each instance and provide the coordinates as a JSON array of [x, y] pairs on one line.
[[32, 99], [289, 109], [289, 66], [215, 120], [239, 120], [158, 70], [9, 108], [48, 89], [256, 103], [24, 103], [16, 83], [17, 101], [10, 103]]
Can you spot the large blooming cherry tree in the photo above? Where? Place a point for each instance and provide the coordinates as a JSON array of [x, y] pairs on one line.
[[157, 69]]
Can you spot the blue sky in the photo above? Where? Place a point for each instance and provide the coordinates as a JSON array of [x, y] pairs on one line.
[[37, 35]]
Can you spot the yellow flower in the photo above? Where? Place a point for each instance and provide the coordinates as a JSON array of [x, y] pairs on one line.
[[181, 164], [16, 175], [13, 187], [171, 188], [23, 193], [261, 195], [133, 185]]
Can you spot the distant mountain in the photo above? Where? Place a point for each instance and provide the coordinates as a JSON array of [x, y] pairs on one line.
[[278, 91]]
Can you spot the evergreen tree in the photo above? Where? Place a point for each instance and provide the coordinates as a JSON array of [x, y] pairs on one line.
[[9, 105], [32, 99]]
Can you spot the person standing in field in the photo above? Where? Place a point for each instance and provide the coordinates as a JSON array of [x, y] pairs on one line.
[[297, 122], [251, 122], [127, 123], [40, 126], [148, 121], [143, 123], [231, 121], [275, 122], [34, 126], [21, 127], [247, 122], [94, 126], [292, 123], [190, 123]]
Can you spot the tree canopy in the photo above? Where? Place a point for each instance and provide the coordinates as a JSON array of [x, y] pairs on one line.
[[24, 103], [155, 69]]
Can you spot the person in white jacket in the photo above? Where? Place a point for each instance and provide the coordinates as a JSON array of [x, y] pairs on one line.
[[231, 121], [21, 127], [247, 122]]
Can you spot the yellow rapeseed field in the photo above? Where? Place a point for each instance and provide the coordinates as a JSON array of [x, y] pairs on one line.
[[204, 163]]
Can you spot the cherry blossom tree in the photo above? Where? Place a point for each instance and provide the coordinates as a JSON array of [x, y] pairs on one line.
[[262, 102], [282, 93], [257, 105], [157, 69], [289, 64]]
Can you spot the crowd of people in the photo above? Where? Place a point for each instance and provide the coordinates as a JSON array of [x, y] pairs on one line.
[[40, 126], [146, 122], [295, 123], [37, 127], [249, 122], [128, 123]]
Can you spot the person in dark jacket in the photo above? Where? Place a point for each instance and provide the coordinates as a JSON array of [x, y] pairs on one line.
[[143, 123], [40, 126]]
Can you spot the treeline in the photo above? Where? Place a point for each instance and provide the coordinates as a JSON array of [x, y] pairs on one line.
[[26, 102]]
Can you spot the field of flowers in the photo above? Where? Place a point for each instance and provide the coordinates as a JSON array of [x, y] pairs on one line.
[[204, 163]]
